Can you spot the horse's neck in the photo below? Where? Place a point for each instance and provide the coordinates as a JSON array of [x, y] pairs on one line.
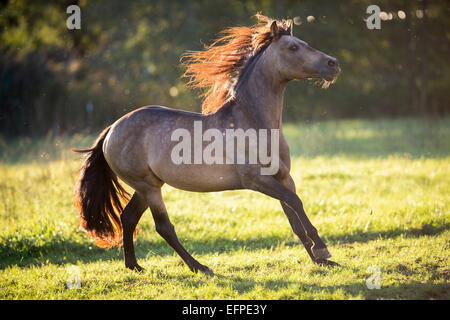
[[262, 96]]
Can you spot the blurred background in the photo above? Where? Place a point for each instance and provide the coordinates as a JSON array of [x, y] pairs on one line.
[[56, 81]]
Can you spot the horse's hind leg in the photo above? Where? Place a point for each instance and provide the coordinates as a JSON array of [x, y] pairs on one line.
[[165, 228], [130, 218]]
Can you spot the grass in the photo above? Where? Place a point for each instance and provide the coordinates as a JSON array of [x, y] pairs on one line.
[[377, 191]]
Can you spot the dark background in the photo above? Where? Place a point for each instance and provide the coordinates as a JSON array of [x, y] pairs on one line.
[[58, 81]]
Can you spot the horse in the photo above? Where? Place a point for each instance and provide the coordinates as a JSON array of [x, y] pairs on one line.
[[243, 75]]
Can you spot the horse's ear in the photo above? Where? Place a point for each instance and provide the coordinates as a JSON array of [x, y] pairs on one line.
[[289, 29], [274, 31]]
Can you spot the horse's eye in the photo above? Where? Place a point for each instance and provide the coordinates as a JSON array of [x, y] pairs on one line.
[[293, 47]]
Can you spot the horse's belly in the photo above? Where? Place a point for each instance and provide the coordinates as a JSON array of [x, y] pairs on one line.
[[199, 178]]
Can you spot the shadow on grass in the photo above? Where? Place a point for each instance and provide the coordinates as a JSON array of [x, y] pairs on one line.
[[26, 252], [364, 236], [405, 290]]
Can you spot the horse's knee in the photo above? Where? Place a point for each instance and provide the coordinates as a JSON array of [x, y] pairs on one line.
[[165, 230], [311, 232]]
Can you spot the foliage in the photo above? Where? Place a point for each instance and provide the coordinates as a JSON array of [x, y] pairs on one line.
[[127, 55]]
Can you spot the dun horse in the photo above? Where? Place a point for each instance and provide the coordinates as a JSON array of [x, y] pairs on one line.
[[245, 73]]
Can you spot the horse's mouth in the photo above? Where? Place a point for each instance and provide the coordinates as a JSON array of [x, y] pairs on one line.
[[331, 76], [326, 79]]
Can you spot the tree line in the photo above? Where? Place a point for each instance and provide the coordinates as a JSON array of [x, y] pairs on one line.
[[127, 54]]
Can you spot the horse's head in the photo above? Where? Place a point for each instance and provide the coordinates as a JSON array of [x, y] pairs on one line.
[[293, 58], [225, 65]]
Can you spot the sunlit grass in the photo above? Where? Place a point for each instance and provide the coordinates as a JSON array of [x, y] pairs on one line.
[[391, 211]]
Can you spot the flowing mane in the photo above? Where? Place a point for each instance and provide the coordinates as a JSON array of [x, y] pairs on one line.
[[217, 68]]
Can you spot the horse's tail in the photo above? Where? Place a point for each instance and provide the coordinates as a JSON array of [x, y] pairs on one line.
[[100, 197]]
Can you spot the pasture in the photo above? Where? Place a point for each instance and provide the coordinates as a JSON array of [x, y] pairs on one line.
[[378, 192]]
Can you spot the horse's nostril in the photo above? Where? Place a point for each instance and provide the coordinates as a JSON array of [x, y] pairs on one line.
[[331, 63]]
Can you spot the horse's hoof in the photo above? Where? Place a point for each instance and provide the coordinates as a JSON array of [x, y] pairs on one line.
[[203, 269], [208, 272], [136, 268], [321, 254], [327, 263]]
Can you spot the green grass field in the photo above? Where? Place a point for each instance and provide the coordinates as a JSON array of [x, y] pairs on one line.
[[377, 191]]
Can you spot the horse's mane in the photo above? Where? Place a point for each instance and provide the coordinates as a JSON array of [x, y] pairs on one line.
[[218, 67]]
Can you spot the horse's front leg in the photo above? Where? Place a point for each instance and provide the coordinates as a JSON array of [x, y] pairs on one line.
[[296, 225], [270, 186]]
